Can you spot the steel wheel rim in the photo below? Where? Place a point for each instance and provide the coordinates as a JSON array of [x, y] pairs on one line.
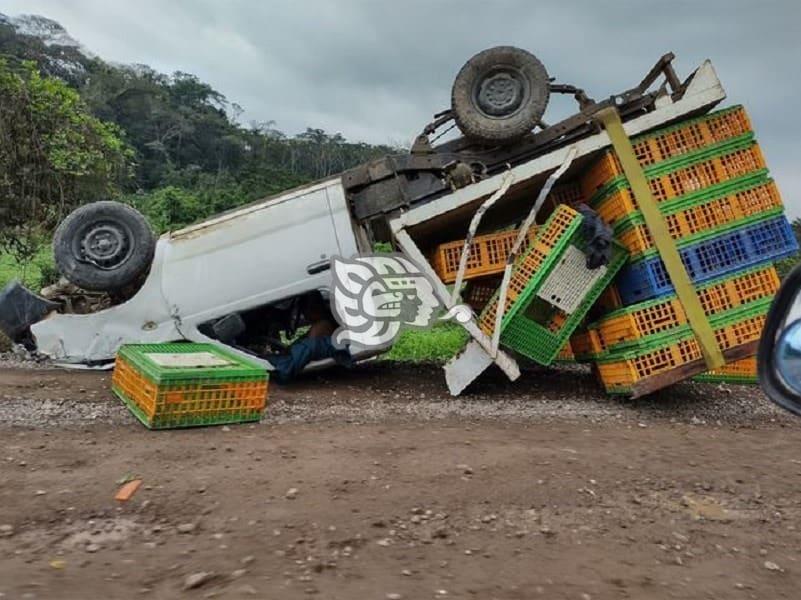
[[500, 92], [106, 244]]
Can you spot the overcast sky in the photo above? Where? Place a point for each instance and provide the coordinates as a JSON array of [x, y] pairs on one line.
[[377, 70]]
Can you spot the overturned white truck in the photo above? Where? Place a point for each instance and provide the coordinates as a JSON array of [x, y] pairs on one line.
[[240, 274]]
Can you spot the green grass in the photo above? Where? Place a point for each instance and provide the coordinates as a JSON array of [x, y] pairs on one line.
[[436, 345], [785, 265], [31, 273]]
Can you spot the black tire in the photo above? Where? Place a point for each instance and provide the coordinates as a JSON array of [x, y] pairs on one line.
[[104, 246], [500, 95]]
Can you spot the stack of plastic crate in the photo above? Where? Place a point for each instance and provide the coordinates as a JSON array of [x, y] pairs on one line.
[[488, 253], [550, 291], [711, 184]]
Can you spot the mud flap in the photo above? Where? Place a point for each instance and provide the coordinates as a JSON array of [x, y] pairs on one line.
[[20, 308]]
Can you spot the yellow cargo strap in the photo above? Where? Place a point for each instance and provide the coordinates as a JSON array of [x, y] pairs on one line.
[[664, 243]]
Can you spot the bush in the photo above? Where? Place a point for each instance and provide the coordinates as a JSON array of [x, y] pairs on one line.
[[35, 272], [54, 156]]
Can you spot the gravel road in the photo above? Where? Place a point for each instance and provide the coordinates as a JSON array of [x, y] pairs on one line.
[[375, 483]]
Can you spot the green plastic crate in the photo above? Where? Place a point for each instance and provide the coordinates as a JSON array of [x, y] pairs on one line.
[[733, 379], [733, 319], [238, 369], [166, 387], [632, 308], [519, 329], [541, 273]]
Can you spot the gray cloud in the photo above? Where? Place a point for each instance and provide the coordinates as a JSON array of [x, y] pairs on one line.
[[377, 70]]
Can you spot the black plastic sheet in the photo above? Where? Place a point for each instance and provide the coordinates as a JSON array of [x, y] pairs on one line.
[[20, 308], [598, 236]]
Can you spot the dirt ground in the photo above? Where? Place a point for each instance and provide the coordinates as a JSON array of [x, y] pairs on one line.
[[375, 484]]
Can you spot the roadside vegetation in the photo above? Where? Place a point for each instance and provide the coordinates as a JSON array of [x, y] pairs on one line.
[[75, 129], [434, 345]]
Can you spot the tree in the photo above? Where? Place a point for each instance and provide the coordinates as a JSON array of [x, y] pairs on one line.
[[168, 207], [54, 156], [184, 135]]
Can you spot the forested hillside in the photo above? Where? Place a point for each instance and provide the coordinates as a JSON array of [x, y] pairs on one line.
[[74, 128]]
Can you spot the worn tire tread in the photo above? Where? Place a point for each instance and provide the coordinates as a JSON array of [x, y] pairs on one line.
[[85, 275]]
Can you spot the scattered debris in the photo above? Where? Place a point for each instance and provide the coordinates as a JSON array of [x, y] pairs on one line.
[[186, 528], [75, 300], [127, 490], [196, 580]]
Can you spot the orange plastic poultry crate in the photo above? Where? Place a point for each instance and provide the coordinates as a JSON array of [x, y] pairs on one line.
[[566, 354], [619, 374], [488, 255], [664, 144], [566, 193], [707, 216], [164, 397], [610, 299], [586, 344], [655, 316], [543, 244], [621, 203], [739, 371], [480, 291]]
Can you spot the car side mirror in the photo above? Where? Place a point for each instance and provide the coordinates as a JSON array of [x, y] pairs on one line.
[[779, 357]]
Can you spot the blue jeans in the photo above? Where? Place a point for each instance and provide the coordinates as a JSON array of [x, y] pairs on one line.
[[304, 351]]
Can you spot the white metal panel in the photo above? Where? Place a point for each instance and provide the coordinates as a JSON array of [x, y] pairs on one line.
[[254, 207], [465, 367], [343, 225], [251, 258]]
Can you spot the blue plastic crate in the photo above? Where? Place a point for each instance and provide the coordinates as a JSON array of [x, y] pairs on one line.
[[731, 251]]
